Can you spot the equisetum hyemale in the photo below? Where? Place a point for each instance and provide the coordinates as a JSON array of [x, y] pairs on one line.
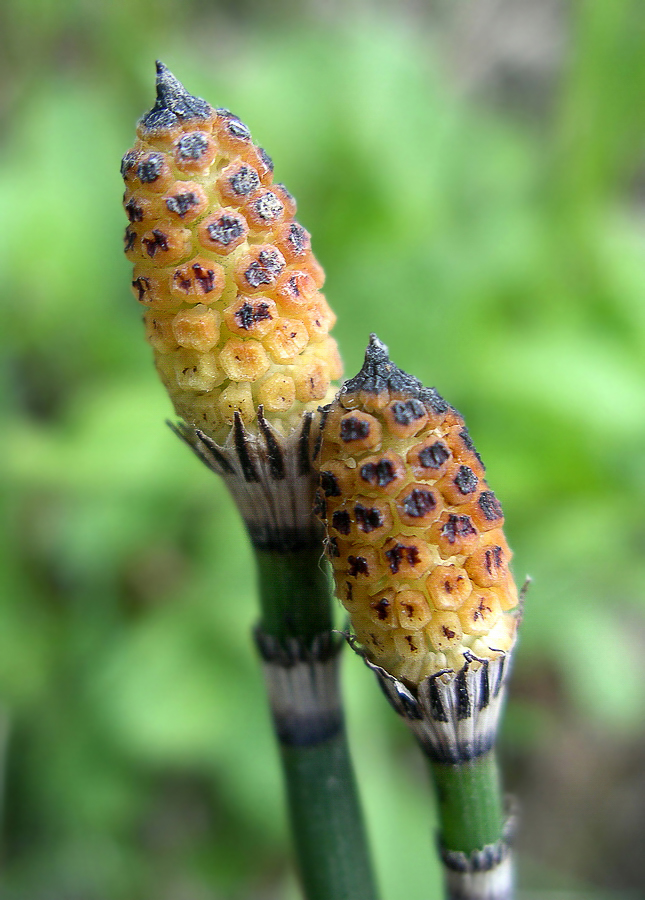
[[230, 292], [414, 536]]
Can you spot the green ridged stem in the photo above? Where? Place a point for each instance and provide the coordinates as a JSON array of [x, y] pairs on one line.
[[326, 819], [295, 593], [471, 804], [328, 832]]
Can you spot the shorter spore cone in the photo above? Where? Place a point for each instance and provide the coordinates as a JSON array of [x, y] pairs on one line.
[[413, 530]]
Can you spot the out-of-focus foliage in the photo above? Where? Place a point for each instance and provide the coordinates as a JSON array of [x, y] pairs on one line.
[[496, 244]]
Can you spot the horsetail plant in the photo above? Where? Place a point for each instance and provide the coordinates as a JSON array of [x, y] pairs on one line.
[[230, 291], [240, 333], [421, 565]]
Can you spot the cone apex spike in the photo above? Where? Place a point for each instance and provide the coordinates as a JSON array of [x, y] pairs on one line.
[[379, 373], [376, 344], [174, 103]]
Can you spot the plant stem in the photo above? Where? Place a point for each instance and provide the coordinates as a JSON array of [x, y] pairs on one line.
[[473, 829], [294, 593], [455, 716], [470, 803], [301, 661], [328, 832]]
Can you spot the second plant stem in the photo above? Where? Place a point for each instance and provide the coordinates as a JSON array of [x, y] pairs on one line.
[[469, 796]]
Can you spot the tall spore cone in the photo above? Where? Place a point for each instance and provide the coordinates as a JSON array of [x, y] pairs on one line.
[[229, 286]]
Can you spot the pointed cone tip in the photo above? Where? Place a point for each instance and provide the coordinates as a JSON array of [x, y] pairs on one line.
[[174, 103], [376, 349], [166, 80], [379, 374]]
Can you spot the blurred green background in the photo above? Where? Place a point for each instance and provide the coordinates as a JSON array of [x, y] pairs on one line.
[[473, 176]]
